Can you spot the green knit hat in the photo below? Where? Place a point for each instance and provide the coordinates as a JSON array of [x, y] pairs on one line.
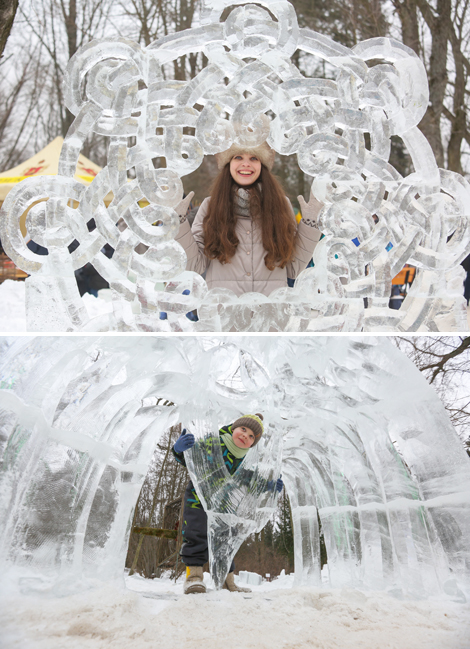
[[253, 422]]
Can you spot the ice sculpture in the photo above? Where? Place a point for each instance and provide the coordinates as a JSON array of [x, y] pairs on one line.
[[375, 220], [360, 438], [236, 505]]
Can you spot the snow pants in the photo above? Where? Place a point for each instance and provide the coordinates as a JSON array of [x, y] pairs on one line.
[[195, 550]]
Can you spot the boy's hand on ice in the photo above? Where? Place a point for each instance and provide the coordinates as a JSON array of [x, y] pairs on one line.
[[279, 485], [310, 210], [184, 442], [275, 485]]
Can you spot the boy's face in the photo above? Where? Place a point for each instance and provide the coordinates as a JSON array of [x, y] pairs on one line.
[[243, 437]]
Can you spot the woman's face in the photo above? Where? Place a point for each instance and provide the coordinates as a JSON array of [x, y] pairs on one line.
[[245, 169], [243, 437]]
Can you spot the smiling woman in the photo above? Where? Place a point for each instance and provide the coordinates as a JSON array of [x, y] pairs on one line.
[[245, 237], [245, 168]]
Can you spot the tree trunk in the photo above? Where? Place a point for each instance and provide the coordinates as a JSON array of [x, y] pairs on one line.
[[71, 29], [155, 531], [458, 120], [408, 15], [437, 74], [7, 16], [70, 20]]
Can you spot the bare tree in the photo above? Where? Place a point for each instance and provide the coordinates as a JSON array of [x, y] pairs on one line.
[[145, 19], [18, 108], [62, 28], [46, 33], [150, 20], [7, 16], [164, 485], [445, 362], [445, 25]]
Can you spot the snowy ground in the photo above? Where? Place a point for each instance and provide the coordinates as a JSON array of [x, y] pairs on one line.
[[12, 306], [154, 614], [12, 309]]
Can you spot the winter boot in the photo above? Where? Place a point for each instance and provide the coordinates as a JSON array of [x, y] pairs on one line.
[[194, 580], [232, 586]]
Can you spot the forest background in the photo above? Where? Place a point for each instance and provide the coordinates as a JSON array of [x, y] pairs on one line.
[[46, 33]]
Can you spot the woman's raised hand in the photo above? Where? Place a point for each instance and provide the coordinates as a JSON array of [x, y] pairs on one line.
[[183, 205], [310, 210]]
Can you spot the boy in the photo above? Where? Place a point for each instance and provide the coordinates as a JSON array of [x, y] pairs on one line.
[[235, 441]]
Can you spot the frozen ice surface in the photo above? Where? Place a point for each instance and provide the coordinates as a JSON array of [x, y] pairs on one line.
[[361, 440], [374, 219], [246, 577]]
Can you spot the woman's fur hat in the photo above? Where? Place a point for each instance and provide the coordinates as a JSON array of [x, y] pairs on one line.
[[253, 422], [263, 152]]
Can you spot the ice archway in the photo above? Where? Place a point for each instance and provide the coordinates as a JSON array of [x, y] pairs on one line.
[[340, 128], [79, 418]]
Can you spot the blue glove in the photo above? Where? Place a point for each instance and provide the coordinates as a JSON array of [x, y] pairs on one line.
[[275, 485], [184, 442]]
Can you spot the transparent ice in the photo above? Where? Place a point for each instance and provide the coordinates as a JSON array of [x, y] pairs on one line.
[[340, 128], [360, 438], [236, 505]]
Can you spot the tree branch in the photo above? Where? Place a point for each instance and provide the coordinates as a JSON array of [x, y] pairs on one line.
[[439, 366]]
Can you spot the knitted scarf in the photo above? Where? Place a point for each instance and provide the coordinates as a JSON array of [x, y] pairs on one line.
[[232, 447], [241, 203]]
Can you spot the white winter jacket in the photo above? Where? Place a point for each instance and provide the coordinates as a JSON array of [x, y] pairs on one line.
[[246, 271]]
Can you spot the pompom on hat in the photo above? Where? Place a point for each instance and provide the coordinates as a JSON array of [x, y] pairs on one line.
[[263, 152], [253, 422]]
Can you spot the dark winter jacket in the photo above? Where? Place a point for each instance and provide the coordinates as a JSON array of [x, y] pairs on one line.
[[232, 463]]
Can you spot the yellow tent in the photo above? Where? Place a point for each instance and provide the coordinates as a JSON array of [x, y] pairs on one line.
[[46, 163]]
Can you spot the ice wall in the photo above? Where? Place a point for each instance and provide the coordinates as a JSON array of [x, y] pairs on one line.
[[339, 128], [358, 434]]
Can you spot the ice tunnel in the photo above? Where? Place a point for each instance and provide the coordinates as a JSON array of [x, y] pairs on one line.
[[358, 434]]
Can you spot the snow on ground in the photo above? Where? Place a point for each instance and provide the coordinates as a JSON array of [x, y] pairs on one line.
[[13, 312], [154, 614]]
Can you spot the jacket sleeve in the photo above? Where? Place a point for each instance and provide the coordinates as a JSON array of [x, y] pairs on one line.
[[256, 483], [192, 240], [306, 240], [179, 457], [207, 443]]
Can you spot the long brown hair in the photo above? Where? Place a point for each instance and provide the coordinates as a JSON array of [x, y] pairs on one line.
[[268, 203]]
